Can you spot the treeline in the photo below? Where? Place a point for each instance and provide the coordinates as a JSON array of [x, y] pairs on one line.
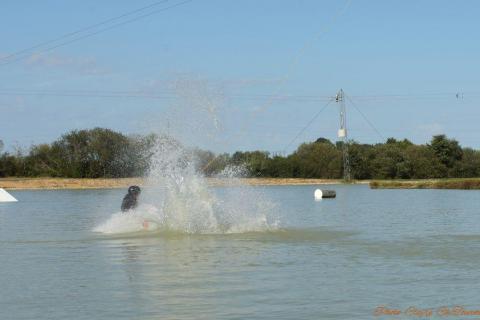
[[105, 153], [394, 159], [82, 154]]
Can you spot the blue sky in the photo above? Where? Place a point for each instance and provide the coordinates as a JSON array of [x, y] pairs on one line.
[[234, 75]]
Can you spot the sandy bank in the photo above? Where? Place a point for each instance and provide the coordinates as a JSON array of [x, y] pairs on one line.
[[66, 183], [454, 183]]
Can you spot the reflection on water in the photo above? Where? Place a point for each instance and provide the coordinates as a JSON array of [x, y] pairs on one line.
[[334, 259]]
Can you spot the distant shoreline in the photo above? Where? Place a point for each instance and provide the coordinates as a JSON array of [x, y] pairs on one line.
[[112, 183], [115, 183], [452, 183]]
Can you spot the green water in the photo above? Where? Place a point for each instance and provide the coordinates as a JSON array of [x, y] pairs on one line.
[[333, 259]]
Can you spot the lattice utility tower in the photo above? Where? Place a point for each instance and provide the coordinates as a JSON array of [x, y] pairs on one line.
[[342, 134]]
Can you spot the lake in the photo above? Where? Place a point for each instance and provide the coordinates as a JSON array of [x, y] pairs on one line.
[[332, 259]]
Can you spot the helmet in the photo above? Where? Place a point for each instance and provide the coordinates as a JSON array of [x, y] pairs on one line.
[[134, 190]]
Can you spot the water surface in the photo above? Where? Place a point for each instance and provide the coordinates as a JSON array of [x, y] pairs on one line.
[[333, 259]]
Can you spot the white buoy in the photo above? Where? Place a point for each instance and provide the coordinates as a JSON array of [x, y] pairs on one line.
[[6, 197], [318, 194]]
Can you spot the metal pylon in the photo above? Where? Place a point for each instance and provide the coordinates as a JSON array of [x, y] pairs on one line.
[[342, 133]]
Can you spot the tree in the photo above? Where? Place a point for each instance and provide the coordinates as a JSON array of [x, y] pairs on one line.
[[102, 152], [385, 163], [40, 162], [256, 162], [9, 165], [204, 160], [448, 151], [361, 156], [423, 164], [217, 165], [469, 166], [96, 153], [279, 167], [323, 140], [319, 160]]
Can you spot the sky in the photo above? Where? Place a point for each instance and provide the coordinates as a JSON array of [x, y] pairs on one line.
[[240, 75]]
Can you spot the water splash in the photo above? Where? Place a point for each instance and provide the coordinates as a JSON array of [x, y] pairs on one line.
[[145, 218], [179, 197], [180, 201]]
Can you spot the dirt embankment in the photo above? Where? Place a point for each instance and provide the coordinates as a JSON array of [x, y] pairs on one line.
[[66, 183], [461, 184]]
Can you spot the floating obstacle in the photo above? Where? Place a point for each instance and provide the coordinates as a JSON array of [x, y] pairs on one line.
[[6, 197], [320, 194]]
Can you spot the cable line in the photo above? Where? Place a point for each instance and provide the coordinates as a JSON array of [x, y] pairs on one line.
[[293, 64], [81, 30], [301, 52], [365, 118], [307, 125], [88, 35], [144, 93], [147, 94]]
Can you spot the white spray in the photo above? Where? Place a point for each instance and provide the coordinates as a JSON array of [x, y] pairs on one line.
[[181, 201]]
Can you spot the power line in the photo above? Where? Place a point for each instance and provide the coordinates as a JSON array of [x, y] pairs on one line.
[[365, 118], [86, 94], [169, 95], [259, 95], [145, 94], [301, 52], [295, 61], [88, 35], [307, 125], [81, 30]]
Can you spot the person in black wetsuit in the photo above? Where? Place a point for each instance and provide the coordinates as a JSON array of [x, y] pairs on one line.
[[130, 200]]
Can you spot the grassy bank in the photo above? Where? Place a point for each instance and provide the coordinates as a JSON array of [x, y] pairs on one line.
[[66, 183], [456, 183]]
